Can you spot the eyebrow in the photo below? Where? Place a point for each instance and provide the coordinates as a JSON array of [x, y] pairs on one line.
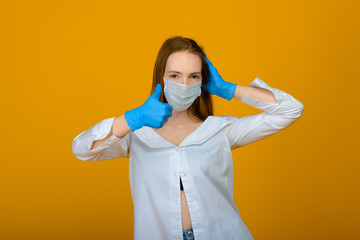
[[180, 72]]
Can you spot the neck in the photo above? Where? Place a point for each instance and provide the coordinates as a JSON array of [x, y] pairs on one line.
[[179, 118]]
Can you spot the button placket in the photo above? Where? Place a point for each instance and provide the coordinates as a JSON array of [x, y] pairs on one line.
[[177, 157], [178, 175], [189, 233]]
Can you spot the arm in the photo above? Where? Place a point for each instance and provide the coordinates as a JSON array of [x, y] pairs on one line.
[[119, 128], [111, 137], [98, 143], [255, 92], [280, 111]]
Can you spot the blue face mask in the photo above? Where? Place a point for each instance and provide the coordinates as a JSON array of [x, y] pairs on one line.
[[181, 96]]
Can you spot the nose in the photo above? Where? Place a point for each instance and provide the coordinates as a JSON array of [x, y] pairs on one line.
[[188, 81], [185, 81]]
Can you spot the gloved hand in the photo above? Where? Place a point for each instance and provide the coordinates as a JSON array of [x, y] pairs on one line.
[[216, 85], [152, 113]]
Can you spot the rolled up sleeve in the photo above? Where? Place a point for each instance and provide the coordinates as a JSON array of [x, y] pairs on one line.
[[276, 116], [114, 147]]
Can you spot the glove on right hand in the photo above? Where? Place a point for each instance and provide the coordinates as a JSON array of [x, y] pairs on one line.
[[152, 113], [216, 84]]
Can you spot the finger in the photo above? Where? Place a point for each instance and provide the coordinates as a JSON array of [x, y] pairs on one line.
[[205, 87], [208, 61], [168, 113], [156, 94], [169, 107], [214, 69]]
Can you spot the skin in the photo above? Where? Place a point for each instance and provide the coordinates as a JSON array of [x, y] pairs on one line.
[[180, 125], [187, 64]]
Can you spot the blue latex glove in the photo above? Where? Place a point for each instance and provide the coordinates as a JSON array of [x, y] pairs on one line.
[[152, 113], [216, 85]]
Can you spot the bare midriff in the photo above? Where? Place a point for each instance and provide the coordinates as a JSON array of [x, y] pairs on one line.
[[185, 215], [176, 135]]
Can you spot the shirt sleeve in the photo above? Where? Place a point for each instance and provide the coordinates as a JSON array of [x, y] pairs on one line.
[[114, 147], [276, 116]]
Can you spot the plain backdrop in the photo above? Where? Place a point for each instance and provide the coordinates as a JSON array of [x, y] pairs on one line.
[[67, 65]]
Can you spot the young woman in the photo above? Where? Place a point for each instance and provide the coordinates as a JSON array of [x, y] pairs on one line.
[[180, 160]]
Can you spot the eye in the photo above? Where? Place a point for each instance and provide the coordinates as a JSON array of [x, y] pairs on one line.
[[196, 76], [173, 75]]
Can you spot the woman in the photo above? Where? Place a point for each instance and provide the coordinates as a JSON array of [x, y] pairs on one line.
[[180, 160]]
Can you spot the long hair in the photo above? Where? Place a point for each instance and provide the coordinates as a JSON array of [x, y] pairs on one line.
[[202, 107]]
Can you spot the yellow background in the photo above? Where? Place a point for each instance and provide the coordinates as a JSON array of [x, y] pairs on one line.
[[66, 65]]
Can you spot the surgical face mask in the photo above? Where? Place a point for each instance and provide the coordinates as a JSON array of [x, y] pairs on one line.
[[181, 96]]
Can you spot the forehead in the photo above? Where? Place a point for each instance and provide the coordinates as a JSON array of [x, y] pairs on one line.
[[183, 62]]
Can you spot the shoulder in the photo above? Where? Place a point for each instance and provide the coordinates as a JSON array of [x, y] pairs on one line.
[[224, 120], [216, 123]]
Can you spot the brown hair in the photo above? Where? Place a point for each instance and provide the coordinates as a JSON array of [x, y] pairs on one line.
[[202, 107]]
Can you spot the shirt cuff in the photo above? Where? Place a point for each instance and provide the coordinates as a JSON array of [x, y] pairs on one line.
[[285, 105], [103, 129]]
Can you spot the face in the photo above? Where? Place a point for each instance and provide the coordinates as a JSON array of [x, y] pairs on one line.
[[183, 67]]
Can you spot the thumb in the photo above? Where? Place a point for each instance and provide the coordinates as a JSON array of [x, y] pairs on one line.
[[205, 87], [208, 61], [156, 94]]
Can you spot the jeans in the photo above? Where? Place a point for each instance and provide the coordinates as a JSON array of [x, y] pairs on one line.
[[188, 234]]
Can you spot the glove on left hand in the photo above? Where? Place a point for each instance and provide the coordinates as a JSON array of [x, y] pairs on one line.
[[216, 85]]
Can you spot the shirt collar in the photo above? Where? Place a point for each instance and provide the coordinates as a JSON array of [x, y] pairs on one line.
[[204, 131]]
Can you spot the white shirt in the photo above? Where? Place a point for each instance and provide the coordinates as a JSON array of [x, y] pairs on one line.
[[204, 162]]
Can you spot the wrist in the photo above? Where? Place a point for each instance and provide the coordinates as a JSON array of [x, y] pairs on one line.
[[227, 90], [134, 119], [231, 90], [120, 126]]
